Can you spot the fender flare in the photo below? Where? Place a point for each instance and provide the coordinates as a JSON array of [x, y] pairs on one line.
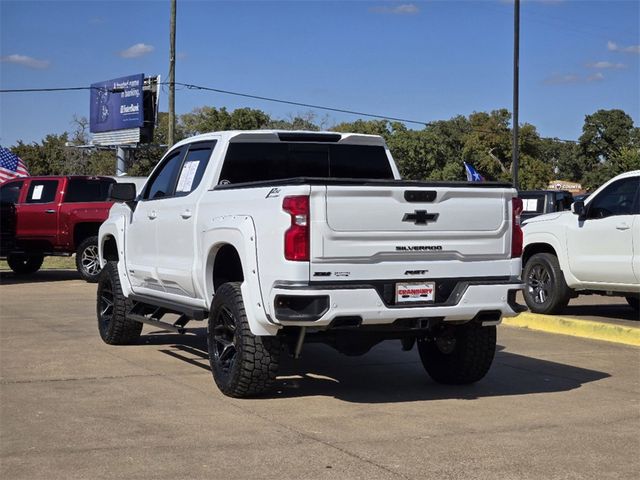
[[115, 227], [239, 232]]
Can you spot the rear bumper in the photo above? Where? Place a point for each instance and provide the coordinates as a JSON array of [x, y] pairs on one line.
[[321, 306]]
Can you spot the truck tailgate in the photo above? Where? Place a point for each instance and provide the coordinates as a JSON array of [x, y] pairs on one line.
[[409, 225]]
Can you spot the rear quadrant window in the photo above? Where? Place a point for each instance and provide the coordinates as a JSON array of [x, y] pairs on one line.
[[87, 190]]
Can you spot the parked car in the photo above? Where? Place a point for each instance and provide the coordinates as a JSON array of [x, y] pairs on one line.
[[278, 238], [539, 202], [53, 216], [593, 249]]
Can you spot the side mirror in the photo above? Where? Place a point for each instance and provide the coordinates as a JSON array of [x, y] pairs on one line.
[[578, 209], [122, 192]]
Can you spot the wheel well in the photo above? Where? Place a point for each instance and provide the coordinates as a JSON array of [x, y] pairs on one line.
[[83, 231], [227, 267], [110, 249], [534, 248]]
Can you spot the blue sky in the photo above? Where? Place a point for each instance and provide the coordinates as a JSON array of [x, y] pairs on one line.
[[423, 60]]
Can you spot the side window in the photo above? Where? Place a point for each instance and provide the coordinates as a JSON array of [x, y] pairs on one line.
[[617, 199], [10, 192], [87, 190], [193, 167], [164, 180], [42, 191]]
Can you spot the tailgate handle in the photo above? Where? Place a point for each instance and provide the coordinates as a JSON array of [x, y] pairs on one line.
[[420, 195]]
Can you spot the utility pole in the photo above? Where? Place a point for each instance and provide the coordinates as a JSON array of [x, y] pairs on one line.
[[515, 160], [172, 75]]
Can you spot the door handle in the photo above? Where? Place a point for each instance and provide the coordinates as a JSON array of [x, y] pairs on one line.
[[152, 215], [50, 211], [623, 226], [186, 214]]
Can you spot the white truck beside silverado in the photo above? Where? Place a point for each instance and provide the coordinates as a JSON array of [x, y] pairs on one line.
[[277, 238], [593, 249]]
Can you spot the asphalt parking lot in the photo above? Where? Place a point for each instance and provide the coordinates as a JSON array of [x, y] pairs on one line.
[[553, 406]]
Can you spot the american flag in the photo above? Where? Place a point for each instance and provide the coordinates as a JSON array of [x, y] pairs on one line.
[[11, 166]]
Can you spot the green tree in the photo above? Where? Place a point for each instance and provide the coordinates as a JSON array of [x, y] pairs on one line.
[[608, 145]]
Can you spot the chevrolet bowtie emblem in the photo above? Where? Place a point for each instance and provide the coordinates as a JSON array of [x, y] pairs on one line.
[[420, 217]]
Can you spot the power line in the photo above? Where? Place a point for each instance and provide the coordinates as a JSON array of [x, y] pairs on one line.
[[191, 86], [301, 104]]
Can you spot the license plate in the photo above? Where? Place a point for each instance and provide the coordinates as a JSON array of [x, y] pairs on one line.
[[415, 292]]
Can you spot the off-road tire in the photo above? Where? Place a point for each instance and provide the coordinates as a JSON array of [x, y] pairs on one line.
[[87, 261], [24, 264], [634, 302], [545, 289], [243, 364], [111, 309], [466, 360]]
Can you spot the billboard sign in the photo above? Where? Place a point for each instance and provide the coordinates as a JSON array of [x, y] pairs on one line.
[[117, 104]]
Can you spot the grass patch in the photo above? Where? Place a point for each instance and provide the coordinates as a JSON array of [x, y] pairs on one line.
[[50, 263]]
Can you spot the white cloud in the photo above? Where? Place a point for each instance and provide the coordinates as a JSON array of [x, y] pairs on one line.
[[26, 61], [602, 65], [573, 78], [560, 79], [404, 9], [137, 50], [614, 47]]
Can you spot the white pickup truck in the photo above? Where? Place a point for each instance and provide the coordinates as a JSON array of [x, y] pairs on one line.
[[277, 238], [593, 249]]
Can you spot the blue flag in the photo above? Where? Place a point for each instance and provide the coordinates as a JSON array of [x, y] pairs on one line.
[[472, 174]]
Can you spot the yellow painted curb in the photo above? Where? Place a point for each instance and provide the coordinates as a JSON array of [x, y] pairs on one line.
[[577, 328]]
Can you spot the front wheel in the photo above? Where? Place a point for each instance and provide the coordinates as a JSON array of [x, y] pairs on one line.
[[24, 264], [87, 260], [545, 288], [458, 355], [112, 307], [242, 364]]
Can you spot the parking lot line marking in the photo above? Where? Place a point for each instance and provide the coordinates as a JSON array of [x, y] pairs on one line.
[[578, 328]]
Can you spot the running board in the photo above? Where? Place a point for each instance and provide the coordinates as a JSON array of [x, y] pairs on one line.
[[194, 313], [157, 323]]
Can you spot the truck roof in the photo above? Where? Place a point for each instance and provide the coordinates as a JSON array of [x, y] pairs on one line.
[[287, 136]]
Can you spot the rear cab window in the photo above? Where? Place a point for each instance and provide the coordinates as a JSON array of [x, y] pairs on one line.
[[259, 161], [88, 190]]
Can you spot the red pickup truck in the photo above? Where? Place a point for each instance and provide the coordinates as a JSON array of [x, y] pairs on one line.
[[53, 216]]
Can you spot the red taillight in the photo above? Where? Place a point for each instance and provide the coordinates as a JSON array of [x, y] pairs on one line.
[[516, 229], [296, 238]]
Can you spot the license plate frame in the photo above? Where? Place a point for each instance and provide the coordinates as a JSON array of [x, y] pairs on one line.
[[415, 292]]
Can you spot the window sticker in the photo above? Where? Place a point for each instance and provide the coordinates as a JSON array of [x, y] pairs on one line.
[[37, 192], [530, 204], [187, 175]]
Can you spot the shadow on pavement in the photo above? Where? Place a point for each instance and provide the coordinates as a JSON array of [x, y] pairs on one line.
[[388, 375], [613, 312], [10, 278]]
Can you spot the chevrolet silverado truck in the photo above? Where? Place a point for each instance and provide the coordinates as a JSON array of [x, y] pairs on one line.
[[279, 238], [53, 216], [592, 249]]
